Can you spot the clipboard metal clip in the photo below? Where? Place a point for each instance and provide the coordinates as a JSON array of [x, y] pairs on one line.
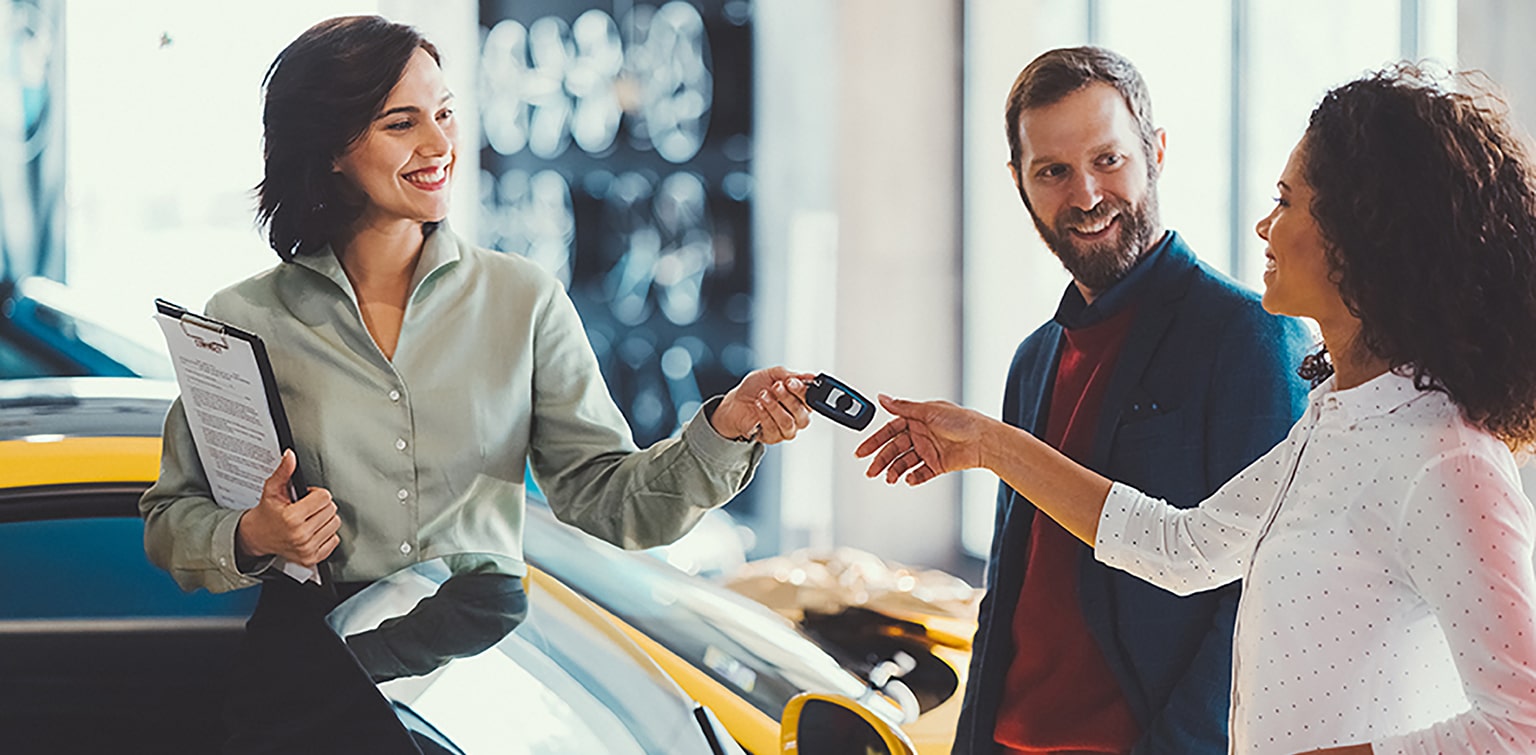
[[218, 343]]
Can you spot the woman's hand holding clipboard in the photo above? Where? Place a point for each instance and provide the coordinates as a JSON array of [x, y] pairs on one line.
[[298, 529], [236, 417]]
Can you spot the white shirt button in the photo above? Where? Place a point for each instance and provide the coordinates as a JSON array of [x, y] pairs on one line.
[[394, 395], [223, 562], [400, 444], [403, 494], [405, 548]]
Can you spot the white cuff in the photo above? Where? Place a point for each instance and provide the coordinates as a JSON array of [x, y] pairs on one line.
[[1111, 544]]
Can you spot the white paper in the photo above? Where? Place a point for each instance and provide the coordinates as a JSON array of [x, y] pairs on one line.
[[227, 409]]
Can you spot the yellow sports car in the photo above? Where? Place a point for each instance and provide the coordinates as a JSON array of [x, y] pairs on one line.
[[100, 650], [745, 661]]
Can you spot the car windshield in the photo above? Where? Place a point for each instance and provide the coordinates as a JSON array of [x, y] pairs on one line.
[[45, 331], [563, 681], [738, 642]]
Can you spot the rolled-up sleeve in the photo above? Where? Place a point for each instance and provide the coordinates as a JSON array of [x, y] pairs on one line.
[[1185, 551], [585, 459]]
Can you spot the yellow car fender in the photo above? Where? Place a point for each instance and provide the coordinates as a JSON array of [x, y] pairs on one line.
[[55, 460]]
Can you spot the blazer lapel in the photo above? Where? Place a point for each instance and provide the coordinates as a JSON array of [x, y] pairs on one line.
[[1032, 409], [1030, 416], [1155, 312]]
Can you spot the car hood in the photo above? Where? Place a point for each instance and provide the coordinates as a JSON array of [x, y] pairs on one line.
[[87, 406]]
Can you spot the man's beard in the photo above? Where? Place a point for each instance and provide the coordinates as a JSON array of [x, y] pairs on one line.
[[1099, 265]]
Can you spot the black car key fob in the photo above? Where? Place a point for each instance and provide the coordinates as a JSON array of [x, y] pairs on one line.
[[833, 399]]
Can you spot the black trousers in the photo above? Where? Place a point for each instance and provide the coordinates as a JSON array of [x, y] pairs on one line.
[[298, 689]]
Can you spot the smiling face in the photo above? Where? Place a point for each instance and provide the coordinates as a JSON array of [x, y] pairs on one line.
[[403, 163], [1297, 278], [1085, 176]]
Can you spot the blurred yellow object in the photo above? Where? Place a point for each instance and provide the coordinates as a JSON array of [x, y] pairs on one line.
[[57, 460], [828, 582], [870, 607]]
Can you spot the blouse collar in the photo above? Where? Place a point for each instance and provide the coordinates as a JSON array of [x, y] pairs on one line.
[[1379, 396], [439, 249]]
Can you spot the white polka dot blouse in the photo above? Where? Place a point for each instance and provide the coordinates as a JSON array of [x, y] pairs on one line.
[[1389, 595]]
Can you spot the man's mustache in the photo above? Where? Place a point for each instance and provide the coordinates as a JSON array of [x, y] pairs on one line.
[[1074, 216]]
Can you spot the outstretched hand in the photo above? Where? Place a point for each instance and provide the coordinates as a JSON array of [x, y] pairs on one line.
[[768, 407], [302, 532], [927, 439]]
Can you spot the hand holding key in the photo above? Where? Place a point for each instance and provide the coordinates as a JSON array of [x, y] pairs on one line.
[[779, 411], [767, 406]]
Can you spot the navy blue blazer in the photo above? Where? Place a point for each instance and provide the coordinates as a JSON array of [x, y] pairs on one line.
[[1205, 384]]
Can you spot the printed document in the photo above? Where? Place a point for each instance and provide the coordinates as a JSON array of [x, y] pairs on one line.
[[226, 405]]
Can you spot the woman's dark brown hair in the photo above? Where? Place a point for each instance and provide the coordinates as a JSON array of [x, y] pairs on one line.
[[1424, 194], [322, 92]]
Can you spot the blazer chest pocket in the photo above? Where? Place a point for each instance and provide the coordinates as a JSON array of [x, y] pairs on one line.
[[1147, 420], [1159, 453]]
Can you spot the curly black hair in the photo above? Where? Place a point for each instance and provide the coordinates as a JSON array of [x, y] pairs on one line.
[[322, 92], [1426, 201]]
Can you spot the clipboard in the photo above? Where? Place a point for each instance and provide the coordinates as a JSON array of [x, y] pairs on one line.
[[213, 336]]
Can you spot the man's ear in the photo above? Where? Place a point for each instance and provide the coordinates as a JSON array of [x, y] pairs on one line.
[[1159, 149], [1013, 170]]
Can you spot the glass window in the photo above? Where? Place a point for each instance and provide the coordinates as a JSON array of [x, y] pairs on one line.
[[1294, 59], [21, 359], [65, 560], [1191, 87]]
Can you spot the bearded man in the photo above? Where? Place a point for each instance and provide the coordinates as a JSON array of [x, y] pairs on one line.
[[1156, 371]]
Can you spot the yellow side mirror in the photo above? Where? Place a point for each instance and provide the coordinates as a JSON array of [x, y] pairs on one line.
[[820, 724]]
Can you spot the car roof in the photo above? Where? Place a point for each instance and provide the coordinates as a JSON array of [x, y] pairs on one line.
[[84, 407]]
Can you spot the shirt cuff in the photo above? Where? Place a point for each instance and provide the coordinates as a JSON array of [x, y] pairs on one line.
[[223, 550], [710, 445], [254, 566], [1112, 544]]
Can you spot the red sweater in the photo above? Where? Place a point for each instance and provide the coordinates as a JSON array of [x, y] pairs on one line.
[[1060, 696]]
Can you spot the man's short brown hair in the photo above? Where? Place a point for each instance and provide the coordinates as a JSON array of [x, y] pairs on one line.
[[1057, 73]]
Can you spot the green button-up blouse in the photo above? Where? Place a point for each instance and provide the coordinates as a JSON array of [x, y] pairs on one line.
[[425, 454]]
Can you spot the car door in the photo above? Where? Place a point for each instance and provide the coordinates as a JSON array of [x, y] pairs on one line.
[[99, 649]]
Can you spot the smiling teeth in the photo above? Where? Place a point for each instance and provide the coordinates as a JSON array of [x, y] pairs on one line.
[[1092, 229], [429, 176]]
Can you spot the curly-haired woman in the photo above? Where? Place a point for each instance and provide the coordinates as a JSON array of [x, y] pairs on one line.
[[1385, 545]]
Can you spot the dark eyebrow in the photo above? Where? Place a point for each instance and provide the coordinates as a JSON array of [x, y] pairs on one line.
[[411, 108], [1098, 149], [1283, 185], [397, 111]]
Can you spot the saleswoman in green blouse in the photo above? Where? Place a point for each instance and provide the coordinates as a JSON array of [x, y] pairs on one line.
[[422, 375]]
